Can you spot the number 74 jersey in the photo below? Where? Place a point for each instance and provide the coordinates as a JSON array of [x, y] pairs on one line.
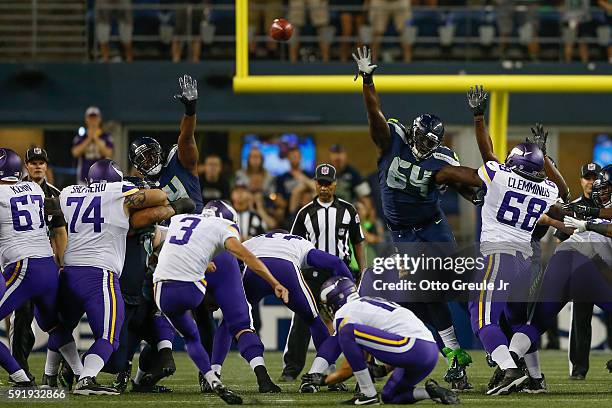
[[97, 224], [512, 207]]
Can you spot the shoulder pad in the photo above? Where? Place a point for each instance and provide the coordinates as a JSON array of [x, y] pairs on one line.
[[445, 154], [399, 129], [171, 154]]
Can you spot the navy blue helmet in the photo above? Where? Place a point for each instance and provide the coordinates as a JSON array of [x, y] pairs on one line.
[[221, 209], [146, 156], [336, 291], [104, 171], [527, 160], [602, 188], [426, 135], [10, 165]]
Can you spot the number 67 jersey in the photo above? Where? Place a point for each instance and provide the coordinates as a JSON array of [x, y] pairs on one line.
[[512, 207], [97, 224]]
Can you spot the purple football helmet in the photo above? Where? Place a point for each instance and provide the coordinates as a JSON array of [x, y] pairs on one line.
[[527, 160], [104, 171], [221, 209], [10, 165], [336, 291]]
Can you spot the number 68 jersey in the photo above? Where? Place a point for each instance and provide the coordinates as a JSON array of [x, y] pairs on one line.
[[512, 207], [97, 224]]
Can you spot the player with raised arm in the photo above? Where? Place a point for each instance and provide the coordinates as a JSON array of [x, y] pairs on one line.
[[413, 168], [29, 270], [518, 194], [192, 241], [98, 217]]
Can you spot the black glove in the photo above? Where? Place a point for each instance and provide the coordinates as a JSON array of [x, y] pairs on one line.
[[183, 205], [314, 379], [538, 137], [189, 94], [582, 211], [478, 198], [477, 100]]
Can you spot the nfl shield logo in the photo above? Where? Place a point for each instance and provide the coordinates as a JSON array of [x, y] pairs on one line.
[[325, 170]]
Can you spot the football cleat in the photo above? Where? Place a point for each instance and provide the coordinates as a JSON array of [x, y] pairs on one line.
[[456, 374], [308, 388], [65, 375], [121, 381], [339, 387], [264, 382], [150, 388], [49, 381], [440, 394], [24, 384], [89, 386], [496, 378], [227, 395], [205, 387], [361, 399], [535, 386], [514, 379], [609, 366]]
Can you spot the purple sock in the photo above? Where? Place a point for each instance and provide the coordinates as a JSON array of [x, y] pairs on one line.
[[162, 328], [59, 337], [352, 352], [102, 348], [7, 361], [330, 350], [491, 337], [250, 346], [319, 332], [221, 344]]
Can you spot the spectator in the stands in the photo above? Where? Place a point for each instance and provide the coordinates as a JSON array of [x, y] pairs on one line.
[[577, 19], [286, 182], [250, 222], [351, 21], [91, 143], [255, 175], [301, 195], [213, 186], [606, 6], [261, 15], [350, 184], [187, 24], [381, 11], [318, 11], [107, 12]]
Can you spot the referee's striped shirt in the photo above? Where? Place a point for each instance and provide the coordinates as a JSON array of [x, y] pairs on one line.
[[331, 227]]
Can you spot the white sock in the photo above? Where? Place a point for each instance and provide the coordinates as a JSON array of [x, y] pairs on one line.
[[501, 355], [93, 365], [164, 344], [330, 369], [520, 344], [139, 375], [52, 362], [211, 377], [319, 365], [19, 376], [365, 382], [257, 361], [71, 354], [449, 338], [532, 360], [420, 393], [217, 369]]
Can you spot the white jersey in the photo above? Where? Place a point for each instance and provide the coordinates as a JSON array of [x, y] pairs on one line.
[[512, 207], [97, 224], [383, 315], [192, 241], [291, 248], [23, 231], [590, 243]]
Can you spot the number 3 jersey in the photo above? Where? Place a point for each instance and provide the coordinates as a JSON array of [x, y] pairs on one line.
[[97, 224], [512, 206], [192, 241], [410, 195], [23, 231]]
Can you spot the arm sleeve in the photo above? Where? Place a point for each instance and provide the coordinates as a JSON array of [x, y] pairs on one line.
[[322, 260], [355, 232]]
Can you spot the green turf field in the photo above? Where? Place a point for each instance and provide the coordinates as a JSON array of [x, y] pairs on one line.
[[596, 391]]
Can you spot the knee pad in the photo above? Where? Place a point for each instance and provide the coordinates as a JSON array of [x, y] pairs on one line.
[[103, 31], [125, 32]]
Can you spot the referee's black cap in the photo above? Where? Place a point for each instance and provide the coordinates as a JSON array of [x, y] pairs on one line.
[[36, 153], [590, 169], [325, 172]]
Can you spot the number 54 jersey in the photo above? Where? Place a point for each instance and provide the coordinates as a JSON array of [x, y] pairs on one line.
[[512, 207], [97, 224]]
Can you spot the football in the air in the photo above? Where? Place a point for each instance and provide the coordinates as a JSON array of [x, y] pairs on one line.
[[281, 29]]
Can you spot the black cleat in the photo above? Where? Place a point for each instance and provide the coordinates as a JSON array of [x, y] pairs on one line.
[[456, 374], [440, 394], [535, 386], [121, 381], [577, 377], [24, 384], [361, 399], [166, 362], [65, 375], [227, 395], [150, 389], [264, 382], [496, 378], [513, 381], [284, 378], [89, 386], [339, 387], [205, 387], [49, 381], [308, 388], [609, 366]]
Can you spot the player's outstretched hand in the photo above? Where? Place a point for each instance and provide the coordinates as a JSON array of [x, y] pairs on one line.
[[364, 62], [581, 210], [189, 94], [317, 379], [281, 292], [538, 137], [571, 222], [477, 99]]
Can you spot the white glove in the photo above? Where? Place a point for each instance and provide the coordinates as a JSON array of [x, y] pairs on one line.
[[364, 61], [571, 222]]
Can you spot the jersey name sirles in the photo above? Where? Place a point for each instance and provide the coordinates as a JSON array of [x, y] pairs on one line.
[[512, 207], [590, 244], [383, 315], [23, 231], [97, 224], [291, 248], [192, 241], [178, 182], [410, 195]]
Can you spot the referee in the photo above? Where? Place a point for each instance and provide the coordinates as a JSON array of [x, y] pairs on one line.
[[21, 334], [333, 226]]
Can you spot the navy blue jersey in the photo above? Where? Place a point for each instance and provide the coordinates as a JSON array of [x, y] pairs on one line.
[[410, 195], [178, 182]]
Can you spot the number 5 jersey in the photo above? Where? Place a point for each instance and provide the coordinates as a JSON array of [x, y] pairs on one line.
[[512, 207]]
